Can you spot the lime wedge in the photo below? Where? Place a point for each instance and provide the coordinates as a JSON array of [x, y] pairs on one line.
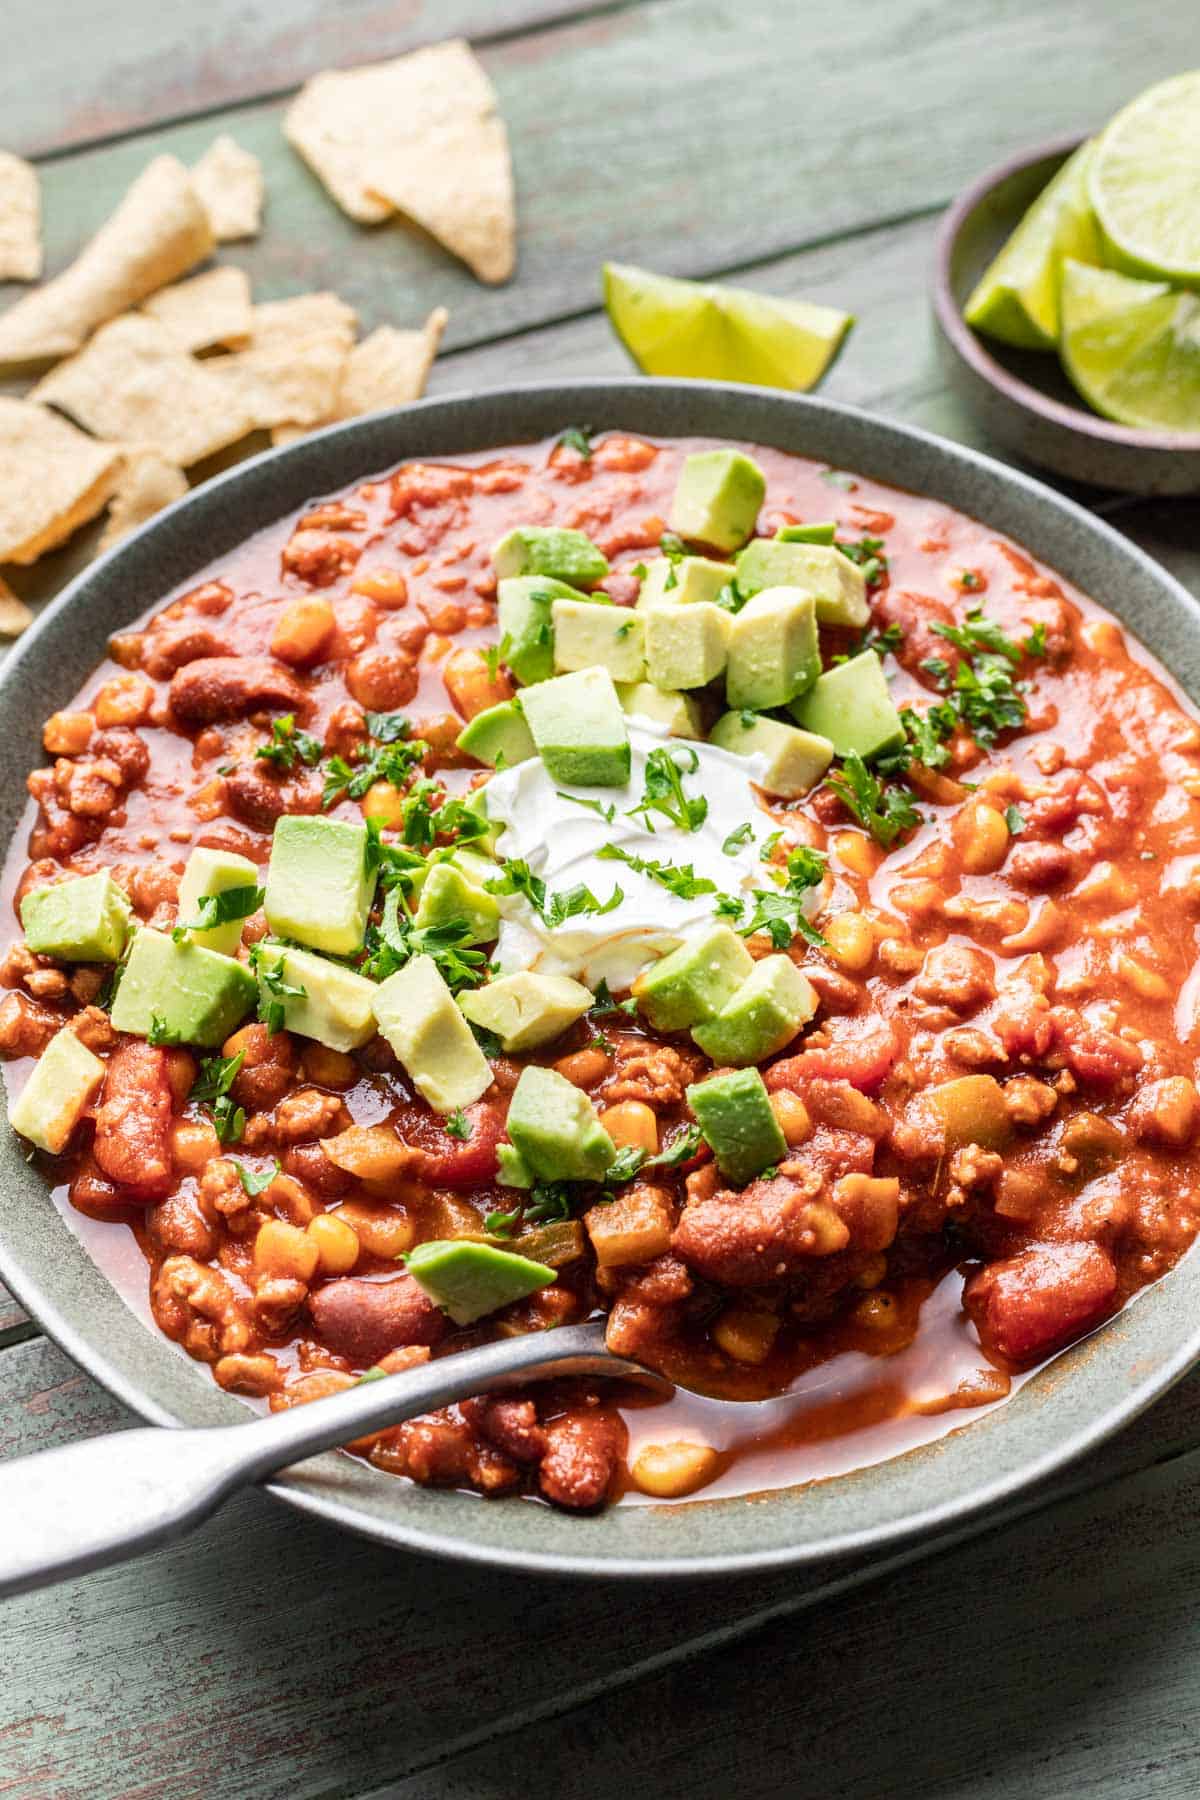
[[1144, 180], [1017, 298], [702, 331], [1132, 348]]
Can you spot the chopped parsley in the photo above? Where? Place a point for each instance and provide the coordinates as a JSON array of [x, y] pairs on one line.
[[548, 1201], [397, 939], [273, 990], [969, 579], [394, 759], [886, 811], [211, 1090], [838, 478], [890, 638], [221, 909], [288, 745], [744, 834], [500, 1224], [159, 1033], [680, 879], [779, 911], [607, 813], [495, 654], [868, 554], [925, 737], [387, 728], [1014, 819], [256, 1181], [603, 1002], [631, 1159], [458, 1125], [623, 630], [516, 877], [579, 901], [730, 596], [579, 439], [663, 790]]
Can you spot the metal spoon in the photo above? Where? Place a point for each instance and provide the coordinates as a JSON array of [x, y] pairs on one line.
[[109, 1498]]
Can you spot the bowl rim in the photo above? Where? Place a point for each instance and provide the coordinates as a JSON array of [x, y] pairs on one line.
[[349, 451], [972, 349]]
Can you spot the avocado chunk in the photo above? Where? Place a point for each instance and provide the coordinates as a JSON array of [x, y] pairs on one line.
[[181, 993], [214, 872], [851, 706], [687, 646], [319, 885], [415, 1011], [63, 1084], [589, 636], [334, 1005], [761, 1016], [448, 894], [579, 728], [528, 1009], [526, 628], [717, 499], [837, 585], [84, 919], [796, 760], [773, 652], [511, 1168], [499, 736], [694, 982], [476, 803], [734, 1114], [679, 713], [550, 550], [682, 580], [554, 1128], [467, 1279], [822, 532]]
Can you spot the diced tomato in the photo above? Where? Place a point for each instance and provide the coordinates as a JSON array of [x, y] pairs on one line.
[[861, 1051], [1096, 1057], [452, 1162], [1028, 1305]]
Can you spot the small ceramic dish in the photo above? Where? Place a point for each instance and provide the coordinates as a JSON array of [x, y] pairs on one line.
[[1023, 397]]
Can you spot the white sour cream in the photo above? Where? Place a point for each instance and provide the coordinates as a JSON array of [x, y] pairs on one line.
[[559, 840]]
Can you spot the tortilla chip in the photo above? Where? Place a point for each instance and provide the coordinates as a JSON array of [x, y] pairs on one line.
[[287, 322], [146, 484], [20, 220], [207, 310], [52, 480], [229, 182], [292, 371], [133, 384], [421, 135], [390, 367], [14, 614], [159, 231]]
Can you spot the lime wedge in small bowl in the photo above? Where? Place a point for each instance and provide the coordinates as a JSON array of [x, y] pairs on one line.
[[704, 331], [1016, 300], [1144, 183], [1132, 348]]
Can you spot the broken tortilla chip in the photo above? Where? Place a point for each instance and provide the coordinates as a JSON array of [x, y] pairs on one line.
[[229, 182], [20, 219], [159, 231], [420, 135], [14, 614], [387, 369], [208, 310], [133, 384], [52, 480], [147, 482], [282, 322], [291, 374]]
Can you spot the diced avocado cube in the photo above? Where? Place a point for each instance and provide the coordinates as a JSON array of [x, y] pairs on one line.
[[336, 1007], [84, 919], [682, 580], [734, 1114], [527, 1009], [694, 982], [588, 636], [468, 1279], [822, 532], [448, 894], [511, 1168], [796, 760], [761, 1016], [214, 872], [717, 499], [836, 584], [773, 652], [181, 993], [526, 628], [63, 1084], [476, 803], [579, 728], [679, 713], [554, 1127], [851, 706], [415, 1011], [319, 884], [550, 550], [498, 736], [687, 646]]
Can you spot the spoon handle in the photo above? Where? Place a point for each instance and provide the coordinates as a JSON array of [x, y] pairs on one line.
[[85, 1505]]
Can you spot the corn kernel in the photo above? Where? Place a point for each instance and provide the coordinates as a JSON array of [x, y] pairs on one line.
[[669, 1471], [385, 803], [851, 940], [791, 1115], [982, 837], [746, 1335], [856, 852], [336, 1241], [67, 733], [631, 1124], [284, 1251]]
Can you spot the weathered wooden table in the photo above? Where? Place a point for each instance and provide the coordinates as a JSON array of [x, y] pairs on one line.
[[808, 150]]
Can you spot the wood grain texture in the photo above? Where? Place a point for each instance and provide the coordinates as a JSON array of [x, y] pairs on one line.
[[113, 68], [272, 1656]]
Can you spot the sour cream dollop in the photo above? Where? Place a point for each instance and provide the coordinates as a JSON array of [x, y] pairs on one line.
[[559, 839]]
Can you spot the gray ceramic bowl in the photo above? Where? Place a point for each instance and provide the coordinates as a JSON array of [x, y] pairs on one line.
[[1086, 1395], [1023, 396]]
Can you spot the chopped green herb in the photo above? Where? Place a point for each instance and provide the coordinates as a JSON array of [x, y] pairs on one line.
[[607, 813], [495, 654], [885, 811], [548, 1201], [500, 1224], [288, 745], [1015, 821], [890, 638], [458, 1125], [158, 1032], [393, 762], [273, 990], [211, 1090], [663, 790], [487, 1040], [631, 1159], [730, 596], [256, 1181], [221, 909], [604, 1002], [838, 478], [623, 630], [599, 1042], [678, 878], [779, 911], [747, 718], [744, 834], [579, 901], [397, 939], [388, 728], [766, 850], [969, 580], [516, 877], [577, 438]]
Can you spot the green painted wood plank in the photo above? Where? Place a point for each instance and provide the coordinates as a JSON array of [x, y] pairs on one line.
[[1055, 1657], [92, 72], [13, 1322], [270, 1656]]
